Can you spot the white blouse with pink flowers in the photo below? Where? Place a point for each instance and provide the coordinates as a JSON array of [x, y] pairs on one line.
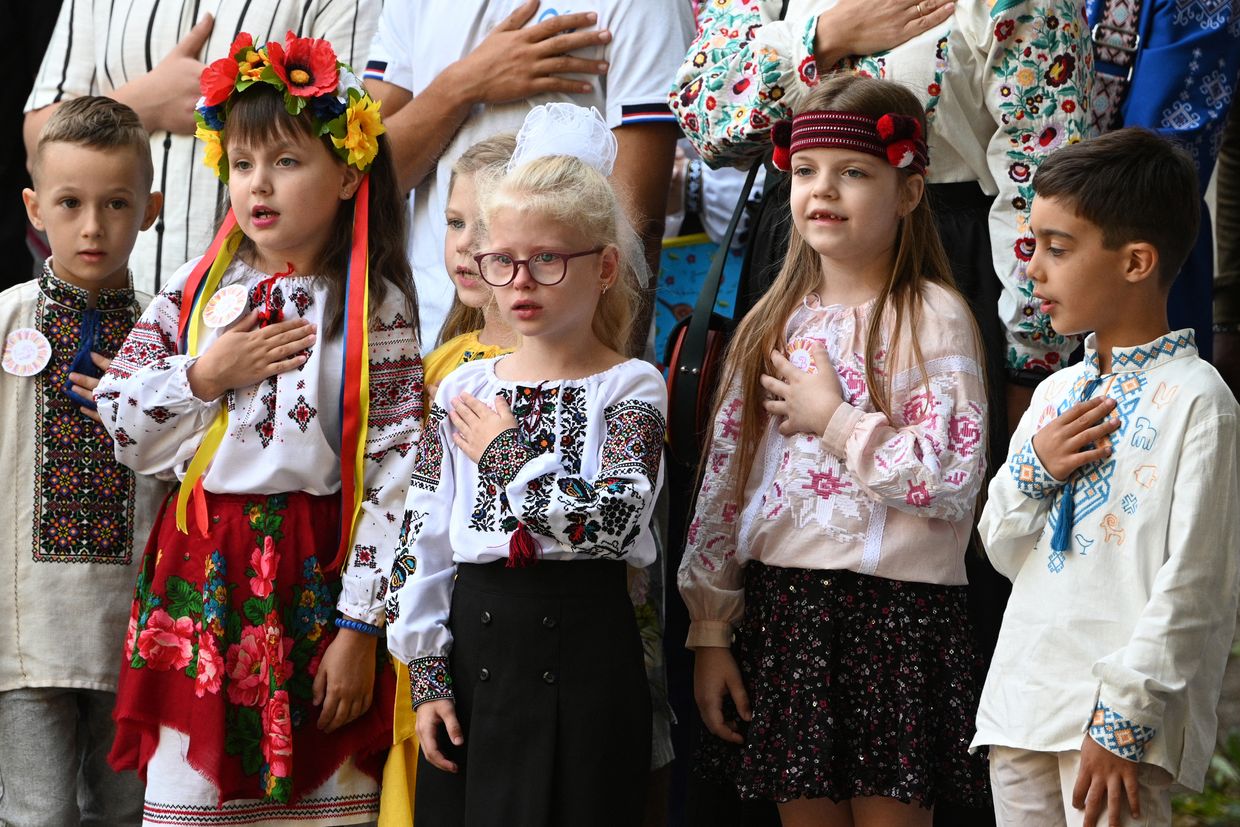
[[888, 498]]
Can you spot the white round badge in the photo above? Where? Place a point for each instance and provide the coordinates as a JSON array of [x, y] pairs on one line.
[[26, 352], [225, 306]]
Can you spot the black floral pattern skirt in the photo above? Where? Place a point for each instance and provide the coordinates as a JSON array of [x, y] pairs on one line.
[[859, 686]]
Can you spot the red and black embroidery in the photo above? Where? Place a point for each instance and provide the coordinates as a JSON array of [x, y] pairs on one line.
[[428, 463], [159, 413], [634, 439], [395, 391], [302, 413], [301, 299], [266, 427]]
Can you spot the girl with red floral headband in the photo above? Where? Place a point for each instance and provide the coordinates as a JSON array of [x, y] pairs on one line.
[[278, 377], [826, 554]]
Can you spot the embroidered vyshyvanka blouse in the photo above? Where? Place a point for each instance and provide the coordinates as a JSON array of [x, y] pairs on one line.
[[284, 432], [887, 498]]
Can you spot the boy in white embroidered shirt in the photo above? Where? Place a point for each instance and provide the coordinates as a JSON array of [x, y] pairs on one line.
[[1116, 516]]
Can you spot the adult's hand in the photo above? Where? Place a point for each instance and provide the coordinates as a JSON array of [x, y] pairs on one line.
[[164, 97], [514, 63], [863, 27]]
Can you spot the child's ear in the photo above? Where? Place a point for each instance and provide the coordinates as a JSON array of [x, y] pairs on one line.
[[609, 260], [31, 199], [1142, 261], [349, 182], [913, 189], [154, 204]]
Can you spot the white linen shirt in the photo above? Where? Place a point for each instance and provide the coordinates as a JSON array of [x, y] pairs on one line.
[[418, 39], [581, 471], [284, 432], [1124, 631]]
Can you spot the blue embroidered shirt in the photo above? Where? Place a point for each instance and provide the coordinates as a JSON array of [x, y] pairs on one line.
[[1125, 576]]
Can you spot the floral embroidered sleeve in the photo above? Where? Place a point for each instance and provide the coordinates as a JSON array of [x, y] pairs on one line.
[[393, 431], [145, 400], [1036, 66], [931, 460], [1193, 598], [710, 577], [599, 514], [1020, 496], [420, 592], [745, 70]]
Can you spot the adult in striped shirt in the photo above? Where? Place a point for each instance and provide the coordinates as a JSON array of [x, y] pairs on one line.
[[452, 72], [149, 54]]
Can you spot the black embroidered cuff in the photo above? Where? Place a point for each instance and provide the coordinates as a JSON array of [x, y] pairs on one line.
[[1031, 478], [429, 680], [505, 457], [1125, 738]]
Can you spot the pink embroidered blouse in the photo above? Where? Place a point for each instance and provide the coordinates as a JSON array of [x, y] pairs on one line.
[[893, 499]]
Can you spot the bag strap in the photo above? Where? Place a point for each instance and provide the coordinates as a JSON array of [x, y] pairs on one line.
[[1117, 41], [683, 404]]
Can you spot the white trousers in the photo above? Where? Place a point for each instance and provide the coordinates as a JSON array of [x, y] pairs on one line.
[[1034, 789]]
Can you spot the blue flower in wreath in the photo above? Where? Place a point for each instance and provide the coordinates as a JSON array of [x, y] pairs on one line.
[[211, 117]]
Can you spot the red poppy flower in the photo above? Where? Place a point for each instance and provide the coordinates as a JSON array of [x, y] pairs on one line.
[[1004, 29], [217, 80], [243, 42], [1068, 105], [306, 65], [934, 89]]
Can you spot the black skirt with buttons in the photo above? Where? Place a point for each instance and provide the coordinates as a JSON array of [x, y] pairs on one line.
[[552, 695]]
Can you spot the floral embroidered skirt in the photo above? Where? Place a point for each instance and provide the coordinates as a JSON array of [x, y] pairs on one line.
[[859, 686], [225, 637]]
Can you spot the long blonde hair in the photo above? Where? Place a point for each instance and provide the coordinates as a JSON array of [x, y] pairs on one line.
[[571, 192], [490, 152], [919, 260]]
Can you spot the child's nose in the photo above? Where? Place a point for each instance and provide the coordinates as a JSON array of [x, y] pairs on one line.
[[91, 224], [523, 280]]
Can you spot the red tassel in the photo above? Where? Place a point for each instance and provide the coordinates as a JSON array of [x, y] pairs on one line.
[[522, 549]]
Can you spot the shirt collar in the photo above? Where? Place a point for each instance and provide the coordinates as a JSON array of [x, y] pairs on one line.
[[76, 298], [1174, 345]]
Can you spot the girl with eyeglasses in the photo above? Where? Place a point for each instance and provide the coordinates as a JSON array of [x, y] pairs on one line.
[[533, 487]]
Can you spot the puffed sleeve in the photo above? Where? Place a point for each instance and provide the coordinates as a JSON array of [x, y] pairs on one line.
[[1034, 66], [929, 460], [745, 70], [1021, 493], [144, 398], [420, 597], [1192, 601], [710, 578], [599, 515], [392, 434]]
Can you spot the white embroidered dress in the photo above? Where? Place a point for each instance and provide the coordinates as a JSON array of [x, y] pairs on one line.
[[890, 499], [581, 471]]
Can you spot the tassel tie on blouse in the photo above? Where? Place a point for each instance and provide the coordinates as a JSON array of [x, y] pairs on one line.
[[523, 549]]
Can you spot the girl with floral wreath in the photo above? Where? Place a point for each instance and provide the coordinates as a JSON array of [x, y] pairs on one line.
[[278, 377]]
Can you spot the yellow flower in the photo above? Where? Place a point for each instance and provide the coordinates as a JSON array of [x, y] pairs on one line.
[[315, 633], [1026, 77], [212, 151], [307, 598], [251, 66], [363, 130]]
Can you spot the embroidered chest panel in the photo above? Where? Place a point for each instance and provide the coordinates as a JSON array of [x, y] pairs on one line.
[[84, 498]]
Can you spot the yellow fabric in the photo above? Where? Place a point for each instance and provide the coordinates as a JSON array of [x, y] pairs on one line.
[[218, 428], [363, 412], [401, 770]]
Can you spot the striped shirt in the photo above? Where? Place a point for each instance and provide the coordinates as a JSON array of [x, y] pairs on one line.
[[98, 47]]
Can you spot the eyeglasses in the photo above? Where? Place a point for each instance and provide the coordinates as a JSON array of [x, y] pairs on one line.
[[546, 268]]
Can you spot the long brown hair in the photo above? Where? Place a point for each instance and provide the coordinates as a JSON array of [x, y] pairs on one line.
[[489, 153], [258, 117], [919, 260]]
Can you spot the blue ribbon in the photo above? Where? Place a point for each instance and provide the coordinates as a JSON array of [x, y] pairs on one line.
[[82, 363]]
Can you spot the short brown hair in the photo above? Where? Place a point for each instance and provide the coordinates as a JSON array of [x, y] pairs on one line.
[[99, 123], [1135, 186]]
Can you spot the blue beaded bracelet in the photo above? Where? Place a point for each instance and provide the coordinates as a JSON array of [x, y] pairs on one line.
[[359, 626]]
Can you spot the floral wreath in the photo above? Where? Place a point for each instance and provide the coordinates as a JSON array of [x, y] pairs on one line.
[[307, 72]]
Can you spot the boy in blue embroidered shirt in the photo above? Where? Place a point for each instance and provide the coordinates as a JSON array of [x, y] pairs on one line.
[[72, 514], [1116, 516]]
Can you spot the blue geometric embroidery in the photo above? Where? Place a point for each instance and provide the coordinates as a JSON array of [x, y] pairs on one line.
[[1119, 735], [1164, 348], [1130, 504], [1031, 478], [1209, 14]]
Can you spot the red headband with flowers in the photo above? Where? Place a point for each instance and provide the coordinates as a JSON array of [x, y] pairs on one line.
[[894, 137], [306, 70]]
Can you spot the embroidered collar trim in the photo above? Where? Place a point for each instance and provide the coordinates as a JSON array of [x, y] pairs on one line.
[[77, 298], [1175, 344]]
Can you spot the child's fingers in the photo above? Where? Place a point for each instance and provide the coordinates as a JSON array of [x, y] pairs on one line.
[[1115, 800], [1080, 790], [430, 745], [83, 385], [1132, 788], [102, 362], [501, 405], [247, 323], [1085, 414], [91, 414], [775, 407], [712, 716], [740, 697], [320, 686], [773, 386], [453, 726], [331, 705]]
